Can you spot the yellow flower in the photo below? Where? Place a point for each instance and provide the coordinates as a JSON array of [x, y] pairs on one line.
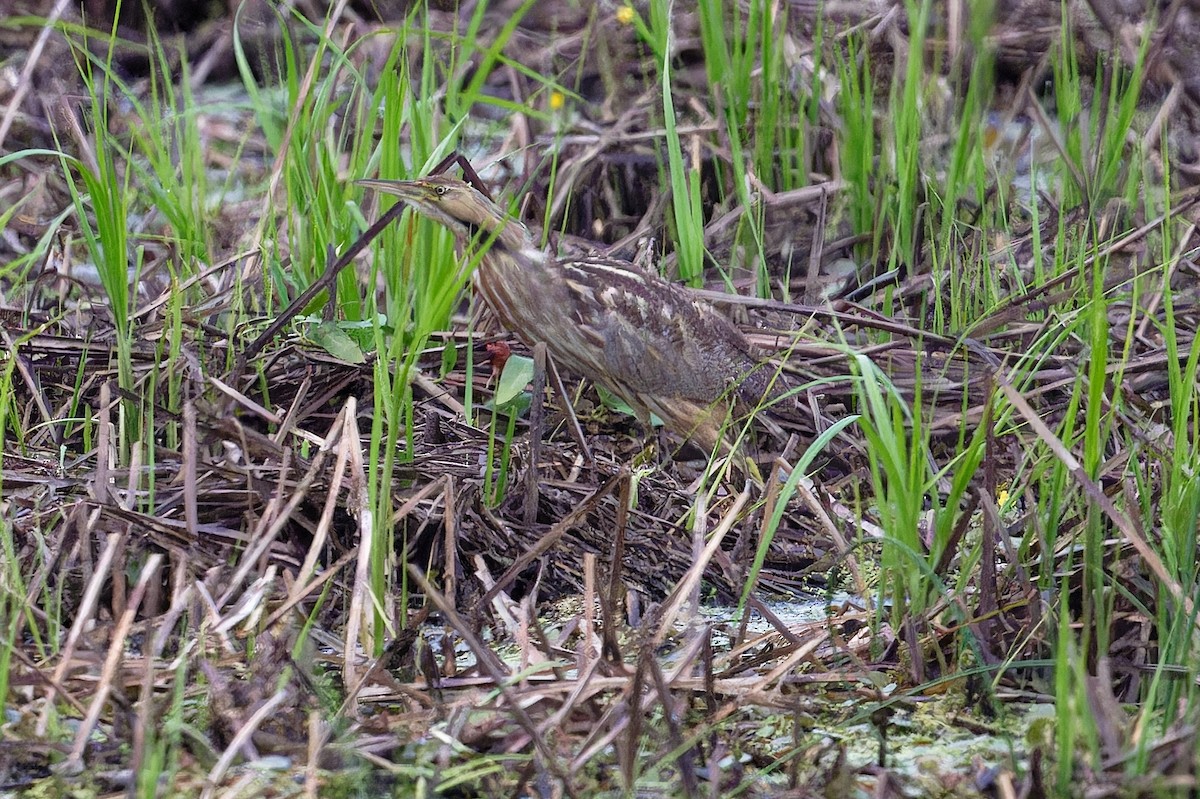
[[625, 15], [556, 100]]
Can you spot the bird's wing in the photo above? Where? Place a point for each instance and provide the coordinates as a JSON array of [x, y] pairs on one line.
[[657, 333]]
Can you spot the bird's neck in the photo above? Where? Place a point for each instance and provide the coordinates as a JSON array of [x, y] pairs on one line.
[[509, 235]]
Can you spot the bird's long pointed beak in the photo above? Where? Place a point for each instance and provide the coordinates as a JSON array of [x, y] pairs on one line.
[[404, 189]]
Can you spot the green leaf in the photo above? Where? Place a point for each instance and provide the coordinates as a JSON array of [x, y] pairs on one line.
[[337, 342], [362, 332], [615, 403], [518, 372], [517, 406], [449, 358]]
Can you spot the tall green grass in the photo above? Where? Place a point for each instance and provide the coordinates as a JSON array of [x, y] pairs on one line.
[[1169, 493], [959, 254], [103, 194], [150, 168], [683, 176], [906, 194], [763, 111], [732, 46], [169, 164], [1092, 162], [857, 147], [909, 498]]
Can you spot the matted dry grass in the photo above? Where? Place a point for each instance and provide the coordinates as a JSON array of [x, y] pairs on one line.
[[259, 509]]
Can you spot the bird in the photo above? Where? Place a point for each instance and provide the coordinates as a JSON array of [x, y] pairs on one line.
[[649, 341]]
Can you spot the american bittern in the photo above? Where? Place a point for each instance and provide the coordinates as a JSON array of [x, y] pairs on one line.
[[648, 341]]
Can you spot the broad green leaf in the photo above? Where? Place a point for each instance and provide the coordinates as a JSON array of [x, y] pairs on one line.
[[518, 372], [337, 342]]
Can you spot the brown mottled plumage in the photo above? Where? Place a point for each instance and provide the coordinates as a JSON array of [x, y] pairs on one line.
[[650, 342]]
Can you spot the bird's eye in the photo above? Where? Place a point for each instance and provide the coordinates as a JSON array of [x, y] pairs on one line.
[[440, 190]]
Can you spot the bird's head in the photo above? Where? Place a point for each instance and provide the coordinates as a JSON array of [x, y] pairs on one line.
[[458, 205]]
